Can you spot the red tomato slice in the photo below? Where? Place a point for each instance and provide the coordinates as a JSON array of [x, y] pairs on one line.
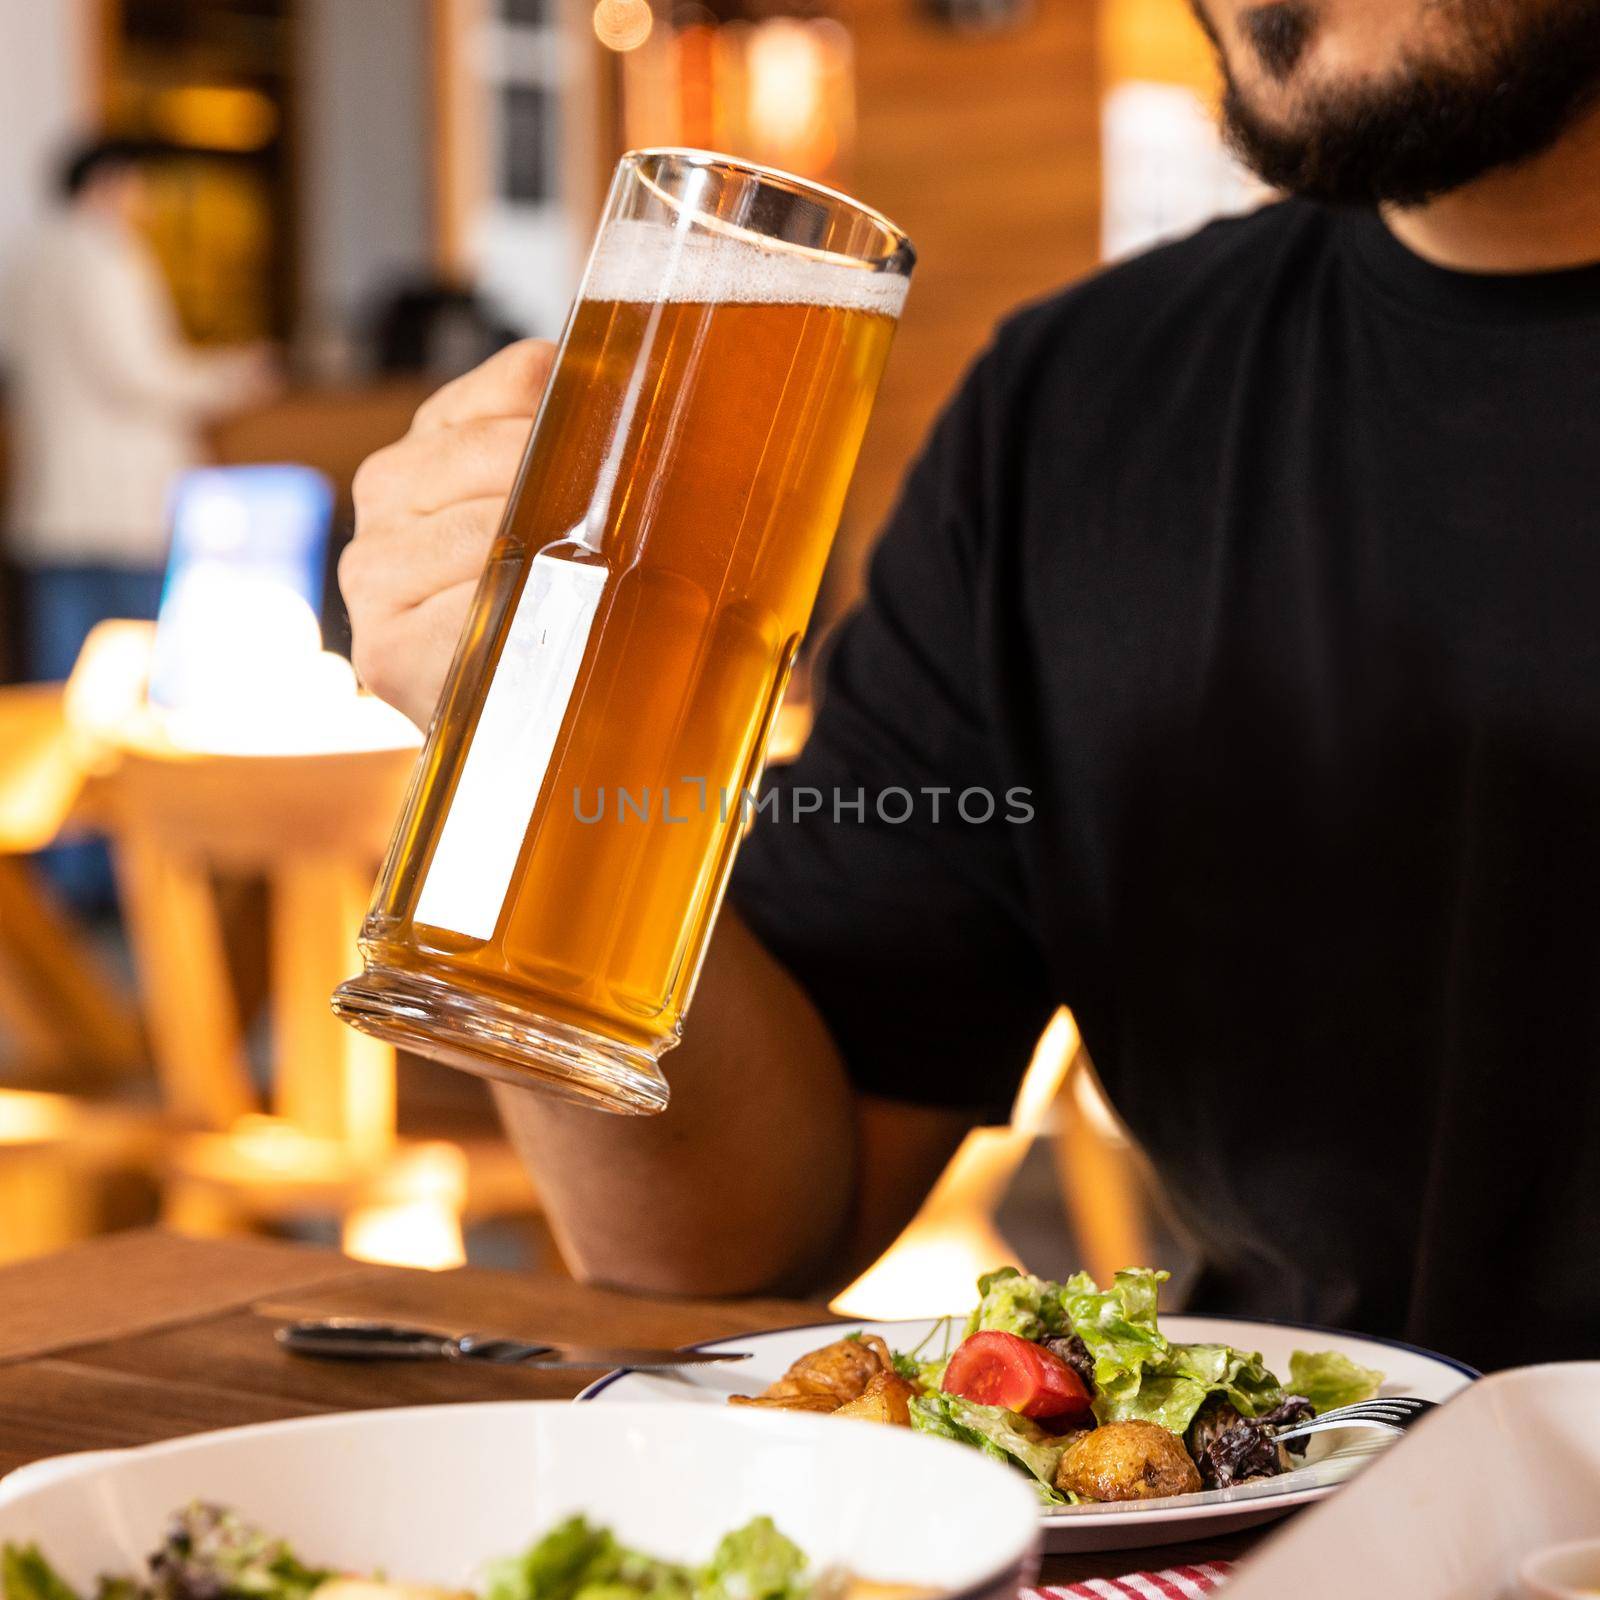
[[1001, 1369]]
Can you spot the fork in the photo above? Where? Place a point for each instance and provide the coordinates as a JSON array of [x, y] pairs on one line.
[[355, 1339], [1387, 1416]]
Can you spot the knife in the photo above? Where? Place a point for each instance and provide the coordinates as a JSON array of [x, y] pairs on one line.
[[353, 1339]]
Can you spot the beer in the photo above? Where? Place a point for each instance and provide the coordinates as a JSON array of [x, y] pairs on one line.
[[560, 860]]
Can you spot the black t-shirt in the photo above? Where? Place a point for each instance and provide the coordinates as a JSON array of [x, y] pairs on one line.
[[1268, 566]]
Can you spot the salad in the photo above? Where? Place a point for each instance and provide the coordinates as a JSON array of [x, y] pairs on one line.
[[1078, 1387], [211, 1553]]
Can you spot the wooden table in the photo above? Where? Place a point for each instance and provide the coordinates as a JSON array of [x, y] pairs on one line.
[[144, 1336]]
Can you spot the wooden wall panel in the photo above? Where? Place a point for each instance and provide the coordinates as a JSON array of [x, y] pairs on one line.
[[985, 148]]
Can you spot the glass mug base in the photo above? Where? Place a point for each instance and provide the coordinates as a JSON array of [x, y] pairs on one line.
[[494, 1039]]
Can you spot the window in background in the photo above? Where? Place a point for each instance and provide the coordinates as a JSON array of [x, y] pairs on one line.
[[978, 16], [527, 161], [527, 13], [524, 239]]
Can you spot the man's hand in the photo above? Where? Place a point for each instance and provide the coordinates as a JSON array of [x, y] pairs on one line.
[[427, 509]]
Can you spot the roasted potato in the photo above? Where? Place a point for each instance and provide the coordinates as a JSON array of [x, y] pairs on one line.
[[1127, 1461], [824, 1403], [887, 1398], [838, 1585], [382, 1589], [838, 1372], [843, 1368]]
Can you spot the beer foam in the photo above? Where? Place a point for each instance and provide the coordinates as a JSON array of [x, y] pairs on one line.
[[645, 262]]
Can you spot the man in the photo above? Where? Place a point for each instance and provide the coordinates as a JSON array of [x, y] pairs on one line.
[[1269, 563], [106, 403]]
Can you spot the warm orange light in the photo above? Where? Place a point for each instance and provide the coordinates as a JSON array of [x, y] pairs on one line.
[[787, 67], [1047, 1071], [216, 117], [30, 1118], [405, 1208], [798, 101], [930, 1269], [262, 1151], [623, 25], [414, 1216], [272, 690], [700, 51], [420, 1234], [105, 696], [781, 90]]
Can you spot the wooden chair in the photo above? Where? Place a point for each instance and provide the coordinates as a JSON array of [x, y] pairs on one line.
[[323, 1141], [314, 828], [66, 1018], [60, 1157]]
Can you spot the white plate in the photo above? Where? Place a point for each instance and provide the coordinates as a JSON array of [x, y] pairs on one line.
[[432, 1493], [1331, 1459]]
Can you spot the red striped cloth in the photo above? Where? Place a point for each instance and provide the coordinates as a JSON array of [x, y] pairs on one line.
[[1174, 1583]]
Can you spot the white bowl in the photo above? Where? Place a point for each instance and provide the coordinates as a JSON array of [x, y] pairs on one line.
[[431, 1493]]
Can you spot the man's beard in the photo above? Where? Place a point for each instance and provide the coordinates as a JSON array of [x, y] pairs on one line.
[[1517, 83]]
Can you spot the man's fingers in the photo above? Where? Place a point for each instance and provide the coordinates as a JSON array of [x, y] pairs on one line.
[[508, 384], [425, 472], [406, 662], [427, 509], [399, 563]]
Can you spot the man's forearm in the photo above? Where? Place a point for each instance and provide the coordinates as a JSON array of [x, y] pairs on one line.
[[744, 1183]]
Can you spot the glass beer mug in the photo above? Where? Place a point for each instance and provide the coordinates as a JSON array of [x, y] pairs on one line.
[[558, 865]]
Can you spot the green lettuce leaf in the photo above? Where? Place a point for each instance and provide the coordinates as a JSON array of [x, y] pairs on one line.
[[578, 1559], [995, 1431], [1239, 1376], [1167, 1398], [26, 1575], [1117, 1324], [1010, 1301], [755, 1562], [1140, 1374], [1328, 1379], [120, 1589]]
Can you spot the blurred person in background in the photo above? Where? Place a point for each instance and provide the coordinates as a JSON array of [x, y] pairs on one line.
[[1269, 564], [106, 402]]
